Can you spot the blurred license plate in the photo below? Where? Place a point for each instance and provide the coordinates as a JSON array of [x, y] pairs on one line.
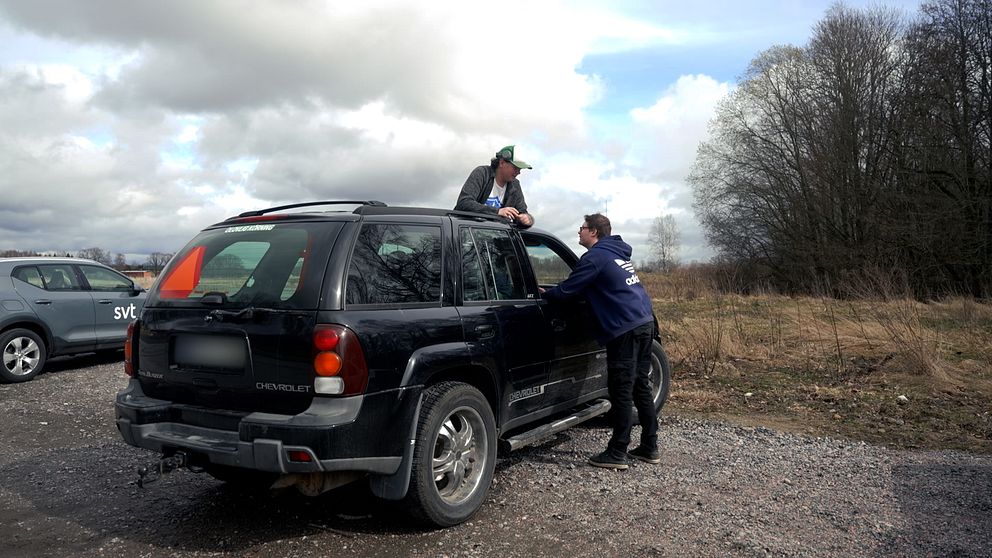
[[204, 351]]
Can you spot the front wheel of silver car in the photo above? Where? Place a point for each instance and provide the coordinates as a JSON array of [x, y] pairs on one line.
[[23, 355], [455, 455]]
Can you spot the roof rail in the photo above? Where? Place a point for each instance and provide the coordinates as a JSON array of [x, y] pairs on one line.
[[400, 210], [258, 212], [481, 216]]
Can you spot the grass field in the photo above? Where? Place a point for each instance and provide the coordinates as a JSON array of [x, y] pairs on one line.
[[880, 368], [883, 369]]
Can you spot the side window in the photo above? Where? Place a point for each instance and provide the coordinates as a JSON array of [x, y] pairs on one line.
[[59, 277], [549, 267], [29, 275], [473, 282], [395, 264], [500, 265], [101, 279]]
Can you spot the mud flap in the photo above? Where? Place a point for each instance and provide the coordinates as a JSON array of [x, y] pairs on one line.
[[394, 486]]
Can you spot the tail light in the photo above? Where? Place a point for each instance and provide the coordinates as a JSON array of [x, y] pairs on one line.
[[129, 348], [338, 361]]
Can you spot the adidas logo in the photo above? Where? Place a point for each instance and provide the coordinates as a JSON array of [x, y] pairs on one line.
[[629, 268]]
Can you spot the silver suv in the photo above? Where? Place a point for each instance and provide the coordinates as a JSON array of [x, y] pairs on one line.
[[60, 306]]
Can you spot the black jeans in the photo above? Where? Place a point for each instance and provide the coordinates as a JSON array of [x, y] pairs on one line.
[[628, 363]]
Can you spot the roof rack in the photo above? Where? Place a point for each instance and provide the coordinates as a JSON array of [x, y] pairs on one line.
[[258, 212], [401, 210], [372, 207]]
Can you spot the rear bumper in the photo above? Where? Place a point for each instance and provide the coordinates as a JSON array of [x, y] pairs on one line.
[[339, 434]]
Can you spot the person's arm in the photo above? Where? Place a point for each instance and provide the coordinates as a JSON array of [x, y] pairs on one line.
[[471, 190], [515, 199], [581, 277]]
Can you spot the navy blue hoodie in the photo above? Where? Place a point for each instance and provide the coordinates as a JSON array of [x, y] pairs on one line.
[[605, 276]]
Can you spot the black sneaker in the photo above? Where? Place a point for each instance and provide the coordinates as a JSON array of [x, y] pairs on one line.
[[608, 460], [643, 454]]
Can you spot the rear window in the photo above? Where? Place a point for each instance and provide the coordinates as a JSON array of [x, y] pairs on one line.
[[276, 265], [29, 275]]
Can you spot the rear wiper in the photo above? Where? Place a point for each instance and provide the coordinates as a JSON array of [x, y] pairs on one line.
[[217, 298]]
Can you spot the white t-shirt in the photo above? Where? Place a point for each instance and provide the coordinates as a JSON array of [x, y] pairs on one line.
[[496, 196]]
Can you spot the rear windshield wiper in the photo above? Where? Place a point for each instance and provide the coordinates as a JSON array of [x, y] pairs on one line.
[[218, 298], [244, 314]]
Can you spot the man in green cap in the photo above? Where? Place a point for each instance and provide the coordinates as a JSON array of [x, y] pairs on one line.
[[494, 188]]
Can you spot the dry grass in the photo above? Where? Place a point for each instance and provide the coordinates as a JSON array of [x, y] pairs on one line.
[[832, 366]]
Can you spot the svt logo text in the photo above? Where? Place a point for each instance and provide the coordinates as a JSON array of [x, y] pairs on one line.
[[121, 313]]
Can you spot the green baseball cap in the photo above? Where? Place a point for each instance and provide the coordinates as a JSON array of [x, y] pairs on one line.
[[507, 154]]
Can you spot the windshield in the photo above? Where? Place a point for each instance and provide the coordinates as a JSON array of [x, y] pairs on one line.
[[273, 265]]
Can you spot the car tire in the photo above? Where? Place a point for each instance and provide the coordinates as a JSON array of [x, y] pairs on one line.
[[22, 355], [455, 455], [661, 375]]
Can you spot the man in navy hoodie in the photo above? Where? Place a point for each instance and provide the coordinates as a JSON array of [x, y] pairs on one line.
[[606, 278]]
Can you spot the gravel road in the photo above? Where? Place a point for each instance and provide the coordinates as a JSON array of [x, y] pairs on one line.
[[68, 487]]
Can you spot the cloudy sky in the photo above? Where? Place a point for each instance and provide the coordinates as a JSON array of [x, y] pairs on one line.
[[131, 124]]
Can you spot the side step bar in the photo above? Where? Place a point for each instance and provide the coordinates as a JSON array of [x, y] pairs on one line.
[[593, 409]]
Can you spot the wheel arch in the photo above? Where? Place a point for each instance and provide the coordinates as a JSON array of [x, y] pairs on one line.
[[454, 362], [36, 327]]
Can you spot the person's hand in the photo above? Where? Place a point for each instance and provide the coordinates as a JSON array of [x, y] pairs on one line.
[[541, 290], [510, 213], [525, 219]]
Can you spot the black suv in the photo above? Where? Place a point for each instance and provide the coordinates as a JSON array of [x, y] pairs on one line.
[[406, 345]]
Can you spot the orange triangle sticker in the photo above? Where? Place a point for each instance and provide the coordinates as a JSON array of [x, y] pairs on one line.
[[184, 277]]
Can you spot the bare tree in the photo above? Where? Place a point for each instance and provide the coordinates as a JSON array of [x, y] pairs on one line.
[[945, 147], [120, 263], [95, 254], [17, 253], [157, 260], [799, 156], [664, 241]]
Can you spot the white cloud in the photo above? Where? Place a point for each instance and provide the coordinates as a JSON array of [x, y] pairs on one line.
[[140, 123], [674, 126], [663, 143]]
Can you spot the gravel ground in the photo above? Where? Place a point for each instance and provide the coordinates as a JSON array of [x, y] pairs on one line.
[[68, 487]]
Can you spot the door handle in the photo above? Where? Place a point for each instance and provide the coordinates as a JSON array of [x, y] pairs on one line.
[[105, 301], [43, 301], [558, 325], [485, 331]]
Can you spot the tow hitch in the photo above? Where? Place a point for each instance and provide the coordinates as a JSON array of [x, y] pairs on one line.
[[155, 471]]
